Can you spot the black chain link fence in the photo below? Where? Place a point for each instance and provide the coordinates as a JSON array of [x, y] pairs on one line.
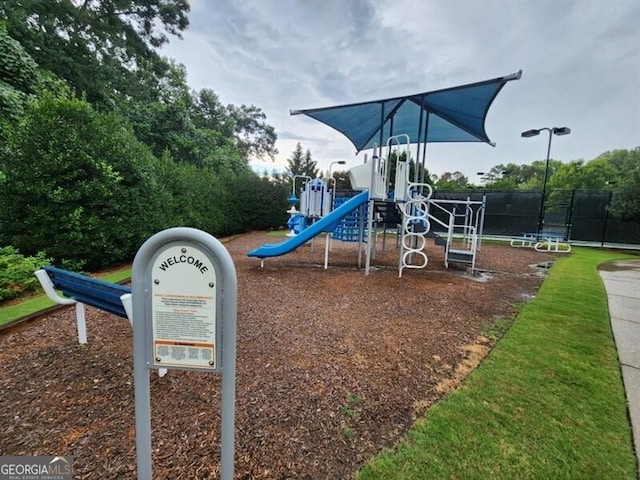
[[579, 215]]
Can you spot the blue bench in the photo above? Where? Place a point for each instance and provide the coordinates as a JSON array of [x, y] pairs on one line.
[[82, 290], [88, 290]]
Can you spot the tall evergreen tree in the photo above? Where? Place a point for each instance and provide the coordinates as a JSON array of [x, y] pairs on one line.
[[309, 166], [295, 163]]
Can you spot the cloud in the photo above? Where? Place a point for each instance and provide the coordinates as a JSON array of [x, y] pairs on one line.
[[581, 63]]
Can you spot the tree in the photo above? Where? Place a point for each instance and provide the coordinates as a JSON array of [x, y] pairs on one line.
[[341, 178], [245, 126], [626, 203], [522, 177], [295, 163], [102, 48], [309, 166], [194, 127], [252, 135], [414, 175], [498, 179], [18, 76], [105, 50], [624, 161], [593, 175], [452, 181]]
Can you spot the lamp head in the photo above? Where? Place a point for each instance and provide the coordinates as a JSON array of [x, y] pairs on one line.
[[530, 133], [561, 130]]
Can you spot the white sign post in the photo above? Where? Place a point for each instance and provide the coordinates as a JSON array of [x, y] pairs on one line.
[[184, 317]]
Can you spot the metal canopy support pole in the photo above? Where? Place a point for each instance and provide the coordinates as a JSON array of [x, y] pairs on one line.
[[387, 169], [360, 235], [369, 236], [375, 165], [420, 121], [424, 148], [375, 162], [327, 245], [381, 128]]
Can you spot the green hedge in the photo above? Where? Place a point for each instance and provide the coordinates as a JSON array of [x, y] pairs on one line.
[[77, 185]]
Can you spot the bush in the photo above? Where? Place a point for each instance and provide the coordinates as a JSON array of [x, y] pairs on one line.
[[257, 204], [78, 186], [17, 273]]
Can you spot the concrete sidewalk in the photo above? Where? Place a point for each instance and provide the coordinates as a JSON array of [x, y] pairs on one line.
[[622, 282]]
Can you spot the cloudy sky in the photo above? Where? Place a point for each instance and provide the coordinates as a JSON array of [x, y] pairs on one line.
[[580, 62]]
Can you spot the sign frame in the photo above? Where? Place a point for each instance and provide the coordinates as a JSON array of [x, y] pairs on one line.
[[226, 305]]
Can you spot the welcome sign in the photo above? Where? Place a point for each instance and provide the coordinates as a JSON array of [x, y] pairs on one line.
[[184, 309]]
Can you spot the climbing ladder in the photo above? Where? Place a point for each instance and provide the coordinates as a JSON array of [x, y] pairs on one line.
[[412, 198], [415, 226], [419, 209], [349, 228]]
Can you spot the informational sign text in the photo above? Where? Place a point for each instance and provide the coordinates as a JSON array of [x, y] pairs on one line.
[[184, 309]]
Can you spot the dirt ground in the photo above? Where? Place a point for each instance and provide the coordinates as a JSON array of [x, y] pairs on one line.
[[332, 366]]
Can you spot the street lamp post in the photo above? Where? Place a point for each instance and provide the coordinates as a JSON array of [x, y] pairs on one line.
[[338, 162], [532, 133]]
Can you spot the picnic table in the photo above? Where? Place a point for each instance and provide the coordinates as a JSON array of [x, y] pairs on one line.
[[542, 242]]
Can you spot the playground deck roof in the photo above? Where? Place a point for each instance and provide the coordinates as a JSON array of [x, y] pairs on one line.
[[455, 114]]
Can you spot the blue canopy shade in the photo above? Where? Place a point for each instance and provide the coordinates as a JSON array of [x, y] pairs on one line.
[[454, 114]]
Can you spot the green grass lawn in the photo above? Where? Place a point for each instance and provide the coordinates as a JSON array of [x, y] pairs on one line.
[[547, 403]]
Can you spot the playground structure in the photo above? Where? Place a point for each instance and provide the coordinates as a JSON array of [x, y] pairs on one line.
[[315, 203], [454, 114], [458, 223], [409, 208]]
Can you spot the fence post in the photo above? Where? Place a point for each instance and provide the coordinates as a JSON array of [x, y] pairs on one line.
[[569, 217], [606, 219]]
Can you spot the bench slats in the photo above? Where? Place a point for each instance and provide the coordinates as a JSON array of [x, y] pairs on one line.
[[90, 291]]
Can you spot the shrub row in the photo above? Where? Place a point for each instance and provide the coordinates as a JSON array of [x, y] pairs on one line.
[[79, 187]]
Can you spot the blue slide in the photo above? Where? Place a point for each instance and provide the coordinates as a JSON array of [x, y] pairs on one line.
[[325, 224]]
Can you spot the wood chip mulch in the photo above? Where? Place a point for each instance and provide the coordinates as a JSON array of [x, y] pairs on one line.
[[332, 366]]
